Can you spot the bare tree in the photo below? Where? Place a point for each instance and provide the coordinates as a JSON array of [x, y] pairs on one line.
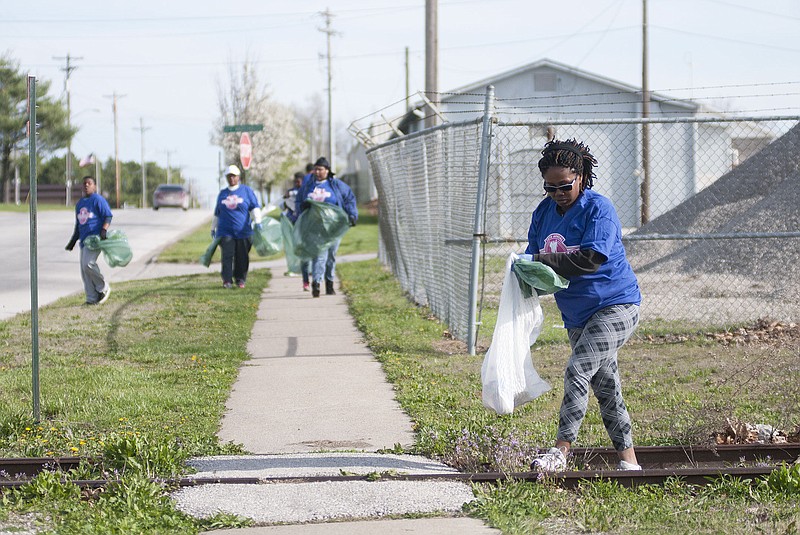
[[277, 149]]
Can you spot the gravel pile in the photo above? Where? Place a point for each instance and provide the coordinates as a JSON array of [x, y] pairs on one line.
[[753, 275]]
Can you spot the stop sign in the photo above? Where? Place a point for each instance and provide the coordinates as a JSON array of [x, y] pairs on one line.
[[245, 150]]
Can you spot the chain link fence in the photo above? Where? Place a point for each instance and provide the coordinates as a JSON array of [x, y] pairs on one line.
[[710, 217]]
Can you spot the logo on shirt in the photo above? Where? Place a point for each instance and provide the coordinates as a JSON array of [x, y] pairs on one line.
[[84, 215], [319, 194], [232, 201], [554, 243]]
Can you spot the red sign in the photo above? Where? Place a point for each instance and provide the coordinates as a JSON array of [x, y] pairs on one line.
[[245, 150]]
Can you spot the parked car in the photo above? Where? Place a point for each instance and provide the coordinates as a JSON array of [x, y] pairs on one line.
[[173, 195]]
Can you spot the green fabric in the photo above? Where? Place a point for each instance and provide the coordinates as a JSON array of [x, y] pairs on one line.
[[205, 258], [317, 228], [268, 241], [116, 249], [537, 276], [293, 263]]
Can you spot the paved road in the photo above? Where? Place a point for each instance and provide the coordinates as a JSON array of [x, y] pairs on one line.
[[148, 232]]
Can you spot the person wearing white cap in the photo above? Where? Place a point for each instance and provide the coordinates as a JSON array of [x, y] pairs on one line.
[[231, 223]]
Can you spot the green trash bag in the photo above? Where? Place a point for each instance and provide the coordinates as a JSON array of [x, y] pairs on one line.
[[116, 249], [537, 276], [269, 240], [293, 264], [205, 258], [317, 228]]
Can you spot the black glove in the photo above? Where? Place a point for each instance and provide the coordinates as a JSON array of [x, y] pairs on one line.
[[71, 245], [102, 234], [352, 220]]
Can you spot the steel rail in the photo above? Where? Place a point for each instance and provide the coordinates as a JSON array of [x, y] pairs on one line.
[[664, 456], [567, 479], [693, 464]]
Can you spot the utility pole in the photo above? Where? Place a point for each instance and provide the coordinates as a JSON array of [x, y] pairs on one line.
[[68, 178], [115, 97], [645, 191], [142, 130], [329, 32], [408, 89], [431, 59]]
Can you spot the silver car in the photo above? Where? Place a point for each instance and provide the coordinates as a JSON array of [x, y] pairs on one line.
[[173, 195]]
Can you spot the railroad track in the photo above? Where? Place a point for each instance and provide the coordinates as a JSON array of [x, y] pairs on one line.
[[693, 464]]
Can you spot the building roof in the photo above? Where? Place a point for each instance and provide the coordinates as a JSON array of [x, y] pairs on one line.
[[481, 84]]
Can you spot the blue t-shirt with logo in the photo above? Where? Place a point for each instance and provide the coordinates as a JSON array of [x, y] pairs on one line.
[[233, 212], [90, 213], [323, 192], [591, 223]]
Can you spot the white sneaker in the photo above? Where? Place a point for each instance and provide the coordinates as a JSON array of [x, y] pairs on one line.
[[552, 461], [104, 295], [625, 465]]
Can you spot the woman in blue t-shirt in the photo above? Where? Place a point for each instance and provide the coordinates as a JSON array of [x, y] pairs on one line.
[[577, 232]]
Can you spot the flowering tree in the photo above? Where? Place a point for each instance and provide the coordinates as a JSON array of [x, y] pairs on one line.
[[277, 149]]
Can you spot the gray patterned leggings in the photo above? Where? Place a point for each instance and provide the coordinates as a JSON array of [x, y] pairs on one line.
[[594, 362]]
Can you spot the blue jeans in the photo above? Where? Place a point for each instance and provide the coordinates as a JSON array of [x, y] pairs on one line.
[[324, 265]]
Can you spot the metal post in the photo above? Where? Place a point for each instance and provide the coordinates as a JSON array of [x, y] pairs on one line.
[[477, 229], [33, 245], [645, 188], [432, 59]]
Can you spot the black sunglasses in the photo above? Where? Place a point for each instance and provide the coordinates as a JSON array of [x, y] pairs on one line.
[[564, 187]]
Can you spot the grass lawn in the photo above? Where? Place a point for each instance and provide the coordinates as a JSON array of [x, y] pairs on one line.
[[24, 207], [141, 382]]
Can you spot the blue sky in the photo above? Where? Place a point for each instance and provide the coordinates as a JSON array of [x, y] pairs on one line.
[[167, 58]]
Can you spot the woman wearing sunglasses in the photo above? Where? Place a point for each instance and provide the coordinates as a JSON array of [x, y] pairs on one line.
[[577, 232]]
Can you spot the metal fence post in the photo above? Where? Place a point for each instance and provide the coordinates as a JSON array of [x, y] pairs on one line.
[[477, 229], [33, 252]]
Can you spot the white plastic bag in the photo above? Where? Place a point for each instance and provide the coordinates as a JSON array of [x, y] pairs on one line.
[[508, 376]]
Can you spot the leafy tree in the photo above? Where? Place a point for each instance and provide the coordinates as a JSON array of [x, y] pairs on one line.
[[278, 148], [50, 114]]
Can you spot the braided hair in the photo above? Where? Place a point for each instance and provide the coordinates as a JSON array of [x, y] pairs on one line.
[[571, 154]]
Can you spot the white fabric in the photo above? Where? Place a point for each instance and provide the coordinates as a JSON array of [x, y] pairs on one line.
[[508, 376]]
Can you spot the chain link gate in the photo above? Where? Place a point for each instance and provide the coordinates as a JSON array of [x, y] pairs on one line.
[[716, 243]]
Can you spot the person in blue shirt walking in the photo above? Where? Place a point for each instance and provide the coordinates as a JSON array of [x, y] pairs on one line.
[[231, 223], [577, 233], [92, 217], [325, 187]]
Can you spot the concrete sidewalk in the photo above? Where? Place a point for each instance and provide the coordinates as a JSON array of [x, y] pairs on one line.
[[314, 401]]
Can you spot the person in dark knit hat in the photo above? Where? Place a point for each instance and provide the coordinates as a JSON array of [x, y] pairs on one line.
[[323, 186]]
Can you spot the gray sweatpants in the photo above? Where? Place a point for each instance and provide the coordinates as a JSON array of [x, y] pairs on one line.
[[93, 280], [593, 362]]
